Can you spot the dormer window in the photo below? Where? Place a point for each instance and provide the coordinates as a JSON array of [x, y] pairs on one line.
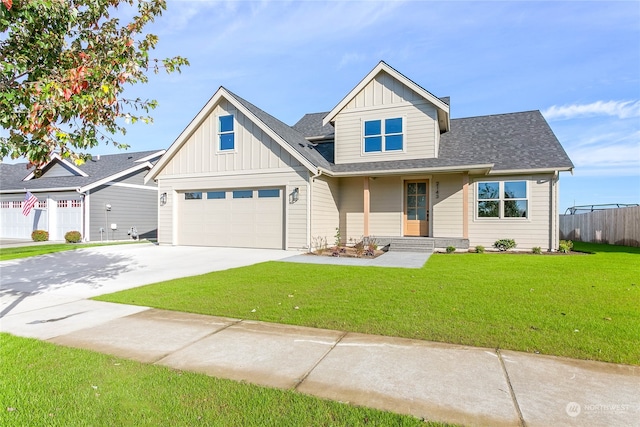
[[383, 135], [225, 133]]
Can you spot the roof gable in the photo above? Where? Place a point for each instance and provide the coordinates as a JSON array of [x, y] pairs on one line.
[[290, 140], [57, 167], [383, 67]]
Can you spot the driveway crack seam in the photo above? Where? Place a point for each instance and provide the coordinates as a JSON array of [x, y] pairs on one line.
[[304, 377], [164, 356], [511, 391]]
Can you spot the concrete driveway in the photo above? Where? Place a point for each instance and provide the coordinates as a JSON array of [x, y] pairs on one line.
[[49, 280]]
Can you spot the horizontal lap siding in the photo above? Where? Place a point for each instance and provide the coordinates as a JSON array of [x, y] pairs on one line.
[[386, 206], [351, 207], [446, 217], [385, 97], [530, 232], [325, 217]]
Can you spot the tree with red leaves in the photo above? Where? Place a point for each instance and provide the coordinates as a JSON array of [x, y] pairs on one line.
[[64, 65]]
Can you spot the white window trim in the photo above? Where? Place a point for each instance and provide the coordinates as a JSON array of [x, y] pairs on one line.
[[219, 150], [383, 134], [501, 201]]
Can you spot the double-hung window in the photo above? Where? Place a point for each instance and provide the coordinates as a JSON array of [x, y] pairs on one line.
[[225, 133], [383, 135], [502, 199]]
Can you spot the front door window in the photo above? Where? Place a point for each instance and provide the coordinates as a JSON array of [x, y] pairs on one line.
[[416, 208]]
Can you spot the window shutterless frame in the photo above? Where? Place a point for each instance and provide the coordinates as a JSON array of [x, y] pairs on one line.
[[383, 135], [226, 133], [502, 199]]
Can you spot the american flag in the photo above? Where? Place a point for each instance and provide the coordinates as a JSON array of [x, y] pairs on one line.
[[29, 201]]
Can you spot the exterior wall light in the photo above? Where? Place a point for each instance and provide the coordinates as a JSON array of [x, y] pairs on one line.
[[294, 196], [163, 199]]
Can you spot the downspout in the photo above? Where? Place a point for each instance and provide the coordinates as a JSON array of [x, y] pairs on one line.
[[313, 177], [84, 214]]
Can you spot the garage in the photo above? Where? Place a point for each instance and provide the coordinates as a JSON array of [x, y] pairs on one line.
[[245, 218], [56, 215]]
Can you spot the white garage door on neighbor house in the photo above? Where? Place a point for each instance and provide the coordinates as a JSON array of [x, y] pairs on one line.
[[57, 216], [245, 218]]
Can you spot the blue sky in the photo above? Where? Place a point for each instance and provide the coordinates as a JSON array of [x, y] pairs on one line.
[[577, 62]]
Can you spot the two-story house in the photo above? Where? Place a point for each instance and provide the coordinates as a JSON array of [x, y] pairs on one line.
[[386, 161]]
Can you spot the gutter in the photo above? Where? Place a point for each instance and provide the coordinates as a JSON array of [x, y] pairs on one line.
[[486, 168]]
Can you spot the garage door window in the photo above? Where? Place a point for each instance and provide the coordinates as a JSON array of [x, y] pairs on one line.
[[271, 192], [242, 194], [215, 194], [194, 195]]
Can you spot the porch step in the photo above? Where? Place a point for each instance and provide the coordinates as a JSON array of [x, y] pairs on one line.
[[412, 244]]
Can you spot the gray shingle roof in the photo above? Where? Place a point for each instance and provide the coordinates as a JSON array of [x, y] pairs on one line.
[[294, 138], [310, 125], [513, 141], [11, 175]]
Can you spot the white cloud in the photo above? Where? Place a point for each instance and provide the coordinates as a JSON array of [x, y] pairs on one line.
[[619, 109]]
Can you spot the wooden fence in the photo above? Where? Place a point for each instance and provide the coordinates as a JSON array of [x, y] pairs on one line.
[[619, 226]]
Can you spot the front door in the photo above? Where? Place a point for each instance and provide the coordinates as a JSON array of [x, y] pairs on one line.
[[416, 212]]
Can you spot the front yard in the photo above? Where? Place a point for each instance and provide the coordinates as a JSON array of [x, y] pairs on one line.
[[582, 306]]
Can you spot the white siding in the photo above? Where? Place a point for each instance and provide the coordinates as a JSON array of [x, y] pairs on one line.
[[325, 217], [532, 231], [446, 213], [386, 206], [385, 97]]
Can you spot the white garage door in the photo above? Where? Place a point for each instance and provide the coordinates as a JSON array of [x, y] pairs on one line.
[[68, 218], [244, 218], [14, 225]]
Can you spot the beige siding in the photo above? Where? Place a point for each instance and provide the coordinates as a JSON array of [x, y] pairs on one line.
[[446, 198], [325, 217], [532, 231], [351, 207], [254, 149], [295, 214], [386, 206], [385, 97]]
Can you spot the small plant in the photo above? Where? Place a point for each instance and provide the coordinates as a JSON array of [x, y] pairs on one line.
[[565, 246], [359, 248], [72, 237], [319, 243], [504, 244], [370, 243], [40, 235], [337, 237], [479, 249], [451, 249], [536, 250]]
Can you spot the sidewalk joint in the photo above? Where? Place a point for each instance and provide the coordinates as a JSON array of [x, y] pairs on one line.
[[511, 391], [304, 377]]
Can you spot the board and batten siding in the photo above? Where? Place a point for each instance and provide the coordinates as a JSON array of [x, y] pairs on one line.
[[133, 204], [325, 217], [383, 98], [536, 230], [254, 149], [446, 200]]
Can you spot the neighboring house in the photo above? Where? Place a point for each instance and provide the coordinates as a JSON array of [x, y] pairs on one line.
[[105, 192], [386, 161]]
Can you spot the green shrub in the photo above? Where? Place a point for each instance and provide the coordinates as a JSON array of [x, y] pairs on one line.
[[536, 250], [504, 244], [40, 235], [565, 246], [479, 249], [73, 237], [451, 249]]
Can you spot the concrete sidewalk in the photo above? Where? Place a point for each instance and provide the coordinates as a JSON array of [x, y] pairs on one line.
[[434, 381]]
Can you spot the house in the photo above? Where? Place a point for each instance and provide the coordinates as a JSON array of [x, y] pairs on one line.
[[387, 160], [104, 198]]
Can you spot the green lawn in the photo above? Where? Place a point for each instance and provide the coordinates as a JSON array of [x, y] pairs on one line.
[[49, 248], [580, 306], [46, 385]]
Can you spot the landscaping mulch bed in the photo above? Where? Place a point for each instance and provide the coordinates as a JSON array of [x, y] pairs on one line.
[[348, 252]]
